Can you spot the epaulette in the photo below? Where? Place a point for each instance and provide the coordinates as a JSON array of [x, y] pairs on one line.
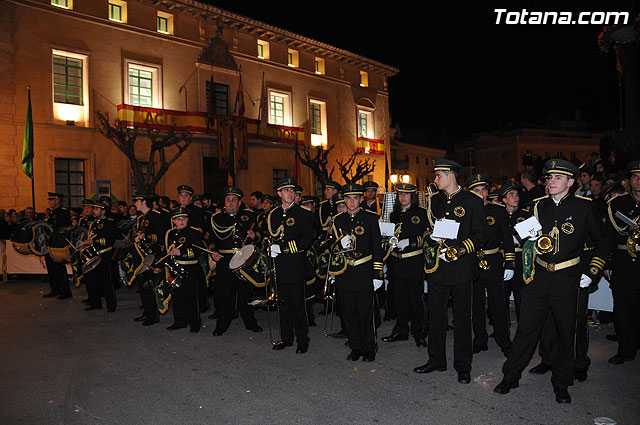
[[617, 196], [339, 214], [109, 218], [583, 197], [477, 194], [542, 197], [249, 210], [305, 208], [369, 211], [326, 200], [156, 211]]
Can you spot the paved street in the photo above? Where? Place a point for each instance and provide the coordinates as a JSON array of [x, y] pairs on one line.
[[61, 365]]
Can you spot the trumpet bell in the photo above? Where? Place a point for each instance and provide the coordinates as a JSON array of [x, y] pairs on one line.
[[544, 244], [452, 254]]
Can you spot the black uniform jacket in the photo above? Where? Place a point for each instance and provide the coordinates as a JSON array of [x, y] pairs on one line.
[[617, 231], [500, 234], [574, 221], [104, 234], [293, 231], [188, 238], [364, 229], [413, 224], [154, 226], [230, 230], [466, 208]]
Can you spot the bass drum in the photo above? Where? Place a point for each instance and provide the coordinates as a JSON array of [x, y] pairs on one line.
[[32, 238], [135, 260], [338, 262], [251, 264], [63, 242]]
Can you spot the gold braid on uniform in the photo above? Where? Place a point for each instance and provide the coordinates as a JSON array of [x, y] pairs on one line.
[[324, 225], [621, 230], [279, 231], [219, 230]]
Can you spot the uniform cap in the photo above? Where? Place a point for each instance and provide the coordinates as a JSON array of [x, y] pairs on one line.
[[406, 187], [286, 182], [506, 188], [443, 164], [476, 180], [185, 188], [233, 190], [370, 185], [179, 212], [352, 189], [561, 166]]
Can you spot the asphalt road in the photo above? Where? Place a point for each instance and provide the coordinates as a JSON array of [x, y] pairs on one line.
[[62, 365]]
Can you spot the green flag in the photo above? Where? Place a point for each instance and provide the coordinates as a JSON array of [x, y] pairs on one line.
[[27, 143]]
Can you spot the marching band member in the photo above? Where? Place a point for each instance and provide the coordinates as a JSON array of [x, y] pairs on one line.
[[370, 194], [626, 268], [357, 229], [98, 280], [453, 278], [406, 265], [291, 231], [230, 228], [491, 278], [59, 216], [566, 222], [180, 243], [151, 229]]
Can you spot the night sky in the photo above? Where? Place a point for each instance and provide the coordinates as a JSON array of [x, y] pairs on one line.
[[460, 72]]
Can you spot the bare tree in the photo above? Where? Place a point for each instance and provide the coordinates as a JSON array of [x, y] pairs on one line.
[[316, 159], [145, 175], [362, 168]]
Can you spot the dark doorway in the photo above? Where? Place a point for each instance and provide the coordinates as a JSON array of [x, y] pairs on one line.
[[214, 178]]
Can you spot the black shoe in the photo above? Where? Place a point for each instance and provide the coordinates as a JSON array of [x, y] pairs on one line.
[[562, 395], [506, 352], [151, 321], [176, 326], [50, 295], [540, 369], [340, 335], [611, 337], [312, 323], [64, 296], [353, 355], [218, 332], [479, 348], [282, 345], [581, 375], [254, 328], [302, 348], [505, 386], [619, 359], [204, 308], [140, 318], [464, 377], [428, 368], [421, 342], [213, 316], [111, 310], [395, 337], [91, 308], [369, 356], [194, 330]]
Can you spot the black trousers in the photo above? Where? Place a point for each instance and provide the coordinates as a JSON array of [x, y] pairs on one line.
[[626, 303], [555, 293], [514, 285], [293, 311], [184, 299], [57, 272], [408, 293], [359, 321], [491, 282], [226, 287], [438, 301], [549, 337], [99, 284], [147, 296]]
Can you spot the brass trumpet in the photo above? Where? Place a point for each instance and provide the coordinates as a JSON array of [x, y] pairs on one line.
[[482, 263], [544, 244], [452, 253]]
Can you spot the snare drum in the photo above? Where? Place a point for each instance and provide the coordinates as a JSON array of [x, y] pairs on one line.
[[175, 273], [250, 263], [89, 258]]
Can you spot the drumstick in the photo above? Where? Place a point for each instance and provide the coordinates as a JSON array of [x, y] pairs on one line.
[[204, 249], [250, 229], [160, 260]]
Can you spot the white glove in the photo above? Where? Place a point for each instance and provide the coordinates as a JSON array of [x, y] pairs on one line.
[[425, 287], [377, 283], [435, 238], [345, 242], [403, 244], [443, 257], [508, 274], [275, 250], [585, 281]]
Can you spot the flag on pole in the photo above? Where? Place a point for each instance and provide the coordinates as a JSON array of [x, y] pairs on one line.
[[262, 112], [240, 100], [231, 175], [27, 142]]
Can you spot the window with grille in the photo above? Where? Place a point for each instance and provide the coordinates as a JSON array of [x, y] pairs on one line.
[[67, 4], [276, 111], [163, 25], [316, 118], [115, 12], [69, 179], [363, 124], [67, 80], [221, 97], [140, 87]]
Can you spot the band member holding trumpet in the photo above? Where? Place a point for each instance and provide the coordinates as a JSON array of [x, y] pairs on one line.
[[291, 233], [232, 228], [492, 273], [459, 216], [357, 232], [566, 221], [406, 265], [626, 267], [180, 243], [102, 235], [151, 229]]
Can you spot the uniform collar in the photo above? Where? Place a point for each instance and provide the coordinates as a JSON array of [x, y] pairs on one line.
[[455, 193], [355, 213], [562, 199]]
